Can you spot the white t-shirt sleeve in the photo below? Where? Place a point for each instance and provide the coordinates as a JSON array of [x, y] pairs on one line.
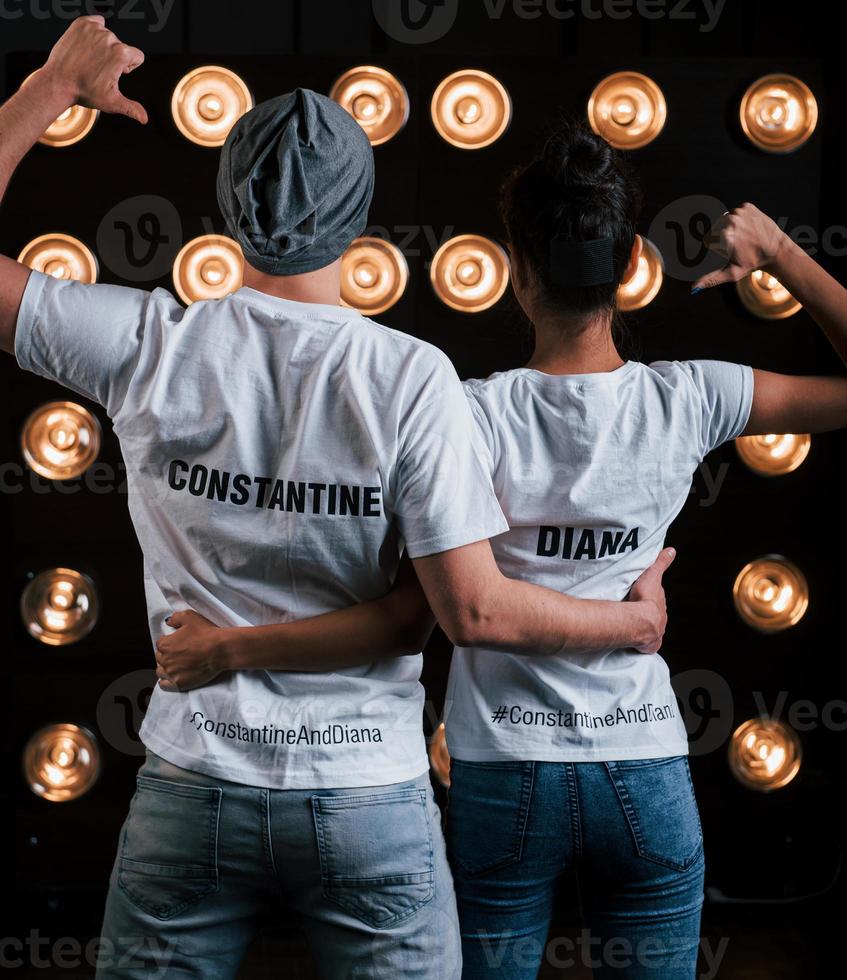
[[725, 393], [484, 436], [443, 493], [86, 337]]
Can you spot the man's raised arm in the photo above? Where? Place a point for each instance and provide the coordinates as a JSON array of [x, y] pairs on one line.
[[85, 68]]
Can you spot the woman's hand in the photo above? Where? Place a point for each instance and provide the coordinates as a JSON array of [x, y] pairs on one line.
[[748, 240], [193, 655]]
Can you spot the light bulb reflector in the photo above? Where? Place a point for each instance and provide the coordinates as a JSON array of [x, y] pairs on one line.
[[60, 440], [61, 762], [471, 109], [765, 754], [59, 606], [771, 594], [470, 273], [628, 110], [207, 102]]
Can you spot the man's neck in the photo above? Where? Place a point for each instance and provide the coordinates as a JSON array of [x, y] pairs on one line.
[[323, 286]]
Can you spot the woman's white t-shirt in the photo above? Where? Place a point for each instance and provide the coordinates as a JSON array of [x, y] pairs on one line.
[[590, 470]]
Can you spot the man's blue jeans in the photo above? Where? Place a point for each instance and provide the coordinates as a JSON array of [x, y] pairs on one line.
[[630, 831], [202, 864]]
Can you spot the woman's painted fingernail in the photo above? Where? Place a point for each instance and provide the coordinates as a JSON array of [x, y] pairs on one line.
[[696, 289]]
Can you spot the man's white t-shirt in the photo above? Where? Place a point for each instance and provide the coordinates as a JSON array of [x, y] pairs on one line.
[[590, 470], [280, 457]]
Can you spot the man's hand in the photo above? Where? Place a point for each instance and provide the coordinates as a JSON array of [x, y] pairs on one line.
[[87, 64], [748, 240], [648, 589], [193, 655]]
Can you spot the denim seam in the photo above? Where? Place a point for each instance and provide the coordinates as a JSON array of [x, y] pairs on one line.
[[264, 803], [576, 816], [526, 798]]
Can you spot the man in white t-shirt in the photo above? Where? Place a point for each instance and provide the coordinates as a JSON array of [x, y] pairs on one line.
[[282, 453]]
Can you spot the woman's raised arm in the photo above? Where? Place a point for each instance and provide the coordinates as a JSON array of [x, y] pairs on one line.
[[750, 240]]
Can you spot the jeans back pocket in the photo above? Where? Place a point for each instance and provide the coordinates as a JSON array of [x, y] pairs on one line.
[[487, 811], [168, 859], [657, 797], [376, 853]]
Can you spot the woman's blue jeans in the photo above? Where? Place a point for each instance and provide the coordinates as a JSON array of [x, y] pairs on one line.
[[630, 831]]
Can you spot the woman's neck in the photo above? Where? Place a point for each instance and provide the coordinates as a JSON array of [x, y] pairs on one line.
[[568, 346]]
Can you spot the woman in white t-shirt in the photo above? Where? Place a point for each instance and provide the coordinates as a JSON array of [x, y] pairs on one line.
[[575, 762]]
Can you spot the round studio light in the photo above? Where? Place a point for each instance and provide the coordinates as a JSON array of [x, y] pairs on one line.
[[765, 754], [771, 594], [773, 455], [60, 440], [646, 282], [60, 256], [471, 109], [627, 109], [375, 99], [470, 273], [59, 606], [374, 274], [439, 757], [207, 102], [61, 762], [208, 267], [766, 297], [778, 113], [73, 125]]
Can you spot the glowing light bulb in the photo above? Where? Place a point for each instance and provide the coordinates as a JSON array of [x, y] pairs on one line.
[[60, 440], [61, 762], [376, 99], [765, 296], [470, 273], [207, 102], [374, 275], [208, 267], [778, 113], [765, 754], [60, 256], [628, 110], [471, 109], [59, 606], [771, 594], [774, 455], [439, 756]]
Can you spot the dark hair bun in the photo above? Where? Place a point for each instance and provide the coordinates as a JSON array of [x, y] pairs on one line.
[[579, 189], [576, 157]]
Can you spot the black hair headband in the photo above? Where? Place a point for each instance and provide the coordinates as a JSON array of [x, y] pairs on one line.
[[574, 264]]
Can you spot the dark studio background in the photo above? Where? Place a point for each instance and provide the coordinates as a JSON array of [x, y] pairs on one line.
[[780, 853]]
